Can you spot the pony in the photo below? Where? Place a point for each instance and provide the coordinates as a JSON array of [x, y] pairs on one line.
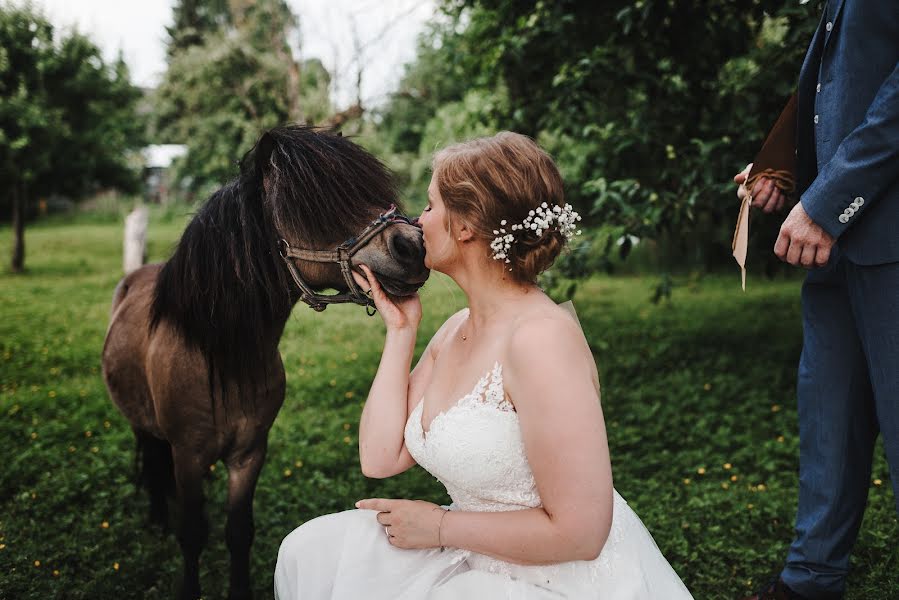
[[191, 353]]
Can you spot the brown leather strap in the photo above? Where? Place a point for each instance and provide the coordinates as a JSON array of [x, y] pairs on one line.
[[342, 255]]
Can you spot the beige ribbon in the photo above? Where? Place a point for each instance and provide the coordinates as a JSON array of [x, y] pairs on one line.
[[783, 180], [740, 244]]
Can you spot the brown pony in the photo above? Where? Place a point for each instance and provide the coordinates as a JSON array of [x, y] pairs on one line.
[[191, 355]]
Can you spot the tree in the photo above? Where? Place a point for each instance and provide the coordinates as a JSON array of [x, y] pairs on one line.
[[217, 96], [193, 21], [66, 117]]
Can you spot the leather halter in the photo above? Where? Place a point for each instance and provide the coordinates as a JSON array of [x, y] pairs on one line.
[[342, 256]]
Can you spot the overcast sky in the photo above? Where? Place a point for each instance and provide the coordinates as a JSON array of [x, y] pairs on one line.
[[386, 28]]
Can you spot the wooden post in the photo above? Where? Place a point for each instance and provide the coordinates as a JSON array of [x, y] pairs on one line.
[[135, 251]]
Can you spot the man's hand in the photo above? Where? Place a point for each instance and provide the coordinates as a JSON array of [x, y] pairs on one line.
[[802, 241], [765, 194]]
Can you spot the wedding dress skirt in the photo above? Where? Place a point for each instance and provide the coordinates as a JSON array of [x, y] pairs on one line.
[[475, 449]]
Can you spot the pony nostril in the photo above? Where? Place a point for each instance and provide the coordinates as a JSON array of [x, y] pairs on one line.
[[404, 249]]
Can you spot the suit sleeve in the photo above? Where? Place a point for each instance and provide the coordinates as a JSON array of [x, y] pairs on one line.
[[865, 164]]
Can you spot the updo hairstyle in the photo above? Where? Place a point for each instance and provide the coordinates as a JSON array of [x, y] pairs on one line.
[[487, 180]]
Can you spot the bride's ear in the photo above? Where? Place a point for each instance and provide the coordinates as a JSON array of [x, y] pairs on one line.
[[465, 233]]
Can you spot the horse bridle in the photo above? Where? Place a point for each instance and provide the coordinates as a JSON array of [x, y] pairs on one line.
[[342, 256]]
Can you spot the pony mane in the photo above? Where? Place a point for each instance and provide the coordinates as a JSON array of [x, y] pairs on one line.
[[225, 289]]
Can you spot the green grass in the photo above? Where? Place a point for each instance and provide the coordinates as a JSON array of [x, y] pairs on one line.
[[688, 388]]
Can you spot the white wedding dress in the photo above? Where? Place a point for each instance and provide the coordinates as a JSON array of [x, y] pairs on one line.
[[476, 450]]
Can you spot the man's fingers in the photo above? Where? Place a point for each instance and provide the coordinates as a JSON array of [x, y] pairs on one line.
[[781, 199], [761, 192], [795, 252], [822, 257], [782, 245], [773, 199], [807, 257]]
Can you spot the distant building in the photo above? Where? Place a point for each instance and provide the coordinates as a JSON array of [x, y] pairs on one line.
[[158, 160]]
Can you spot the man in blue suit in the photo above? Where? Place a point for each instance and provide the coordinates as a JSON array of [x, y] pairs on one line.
[[845, 229]]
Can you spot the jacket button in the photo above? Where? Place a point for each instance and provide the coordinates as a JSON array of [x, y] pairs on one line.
[[818, 88], [859, 201], [829, 26], [816, 119], [844, 219]]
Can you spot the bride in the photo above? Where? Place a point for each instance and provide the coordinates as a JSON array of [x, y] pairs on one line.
[[503, 408]]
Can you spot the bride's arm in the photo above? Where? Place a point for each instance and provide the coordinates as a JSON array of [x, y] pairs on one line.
[[547, 376], [393, 396]]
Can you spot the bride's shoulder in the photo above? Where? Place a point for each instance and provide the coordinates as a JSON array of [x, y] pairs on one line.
[[547, 334]]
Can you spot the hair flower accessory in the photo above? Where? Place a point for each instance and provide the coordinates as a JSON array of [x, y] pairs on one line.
[[538, 220]]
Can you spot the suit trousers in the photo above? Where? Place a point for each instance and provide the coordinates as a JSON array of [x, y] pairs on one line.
[[848, 392]]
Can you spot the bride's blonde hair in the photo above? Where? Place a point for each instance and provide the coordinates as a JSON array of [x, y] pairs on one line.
[[488, 180]]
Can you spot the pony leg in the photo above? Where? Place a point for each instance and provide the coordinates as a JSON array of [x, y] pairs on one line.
[[155, 472], [193, 527], [243, 473]]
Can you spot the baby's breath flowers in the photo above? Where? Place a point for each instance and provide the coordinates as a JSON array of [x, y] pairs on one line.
[[540, 219]]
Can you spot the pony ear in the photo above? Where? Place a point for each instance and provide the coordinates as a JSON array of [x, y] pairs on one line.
[[262, 153], [258, 158]]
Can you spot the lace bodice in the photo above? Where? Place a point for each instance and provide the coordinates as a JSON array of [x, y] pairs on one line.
[[475, 449]]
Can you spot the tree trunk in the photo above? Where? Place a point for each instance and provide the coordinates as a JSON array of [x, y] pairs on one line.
[[295, 107], [18, 226]]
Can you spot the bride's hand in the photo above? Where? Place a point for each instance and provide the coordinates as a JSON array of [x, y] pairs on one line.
[[409, 524], [397, 312]]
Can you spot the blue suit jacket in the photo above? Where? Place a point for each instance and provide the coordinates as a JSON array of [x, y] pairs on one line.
[[848, 128]]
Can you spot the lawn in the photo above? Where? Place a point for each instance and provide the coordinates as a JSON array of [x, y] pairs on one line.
[[698, 395]]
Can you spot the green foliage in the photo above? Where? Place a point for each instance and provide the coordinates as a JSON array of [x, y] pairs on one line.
[[649, 106], [66, 117], [697, 385], [223, 90], [218, 98], [193, 20]]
